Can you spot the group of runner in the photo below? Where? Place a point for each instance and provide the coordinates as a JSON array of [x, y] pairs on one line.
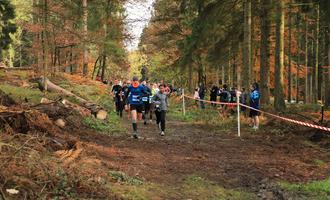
[[141, 100], [229, 95]]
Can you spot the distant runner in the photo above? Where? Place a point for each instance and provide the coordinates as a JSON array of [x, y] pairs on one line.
[[225, 97], [255, 103], [117, 98]]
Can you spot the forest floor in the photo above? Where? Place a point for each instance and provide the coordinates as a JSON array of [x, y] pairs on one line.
[[200, 157]]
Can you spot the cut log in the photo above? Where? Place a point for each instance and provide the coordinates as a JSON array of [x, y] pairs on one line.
[[94, 109], [55, 88], [46, 101], [82, 110], [101, 114], [60, 123]]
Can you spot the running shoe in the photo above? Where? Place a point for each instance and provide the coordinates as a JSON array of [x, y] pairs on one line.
[[255, 128], [162, 133]]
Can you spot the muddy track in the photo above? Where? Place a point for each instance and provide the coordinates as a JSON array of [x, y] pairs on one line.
[[220, 157]]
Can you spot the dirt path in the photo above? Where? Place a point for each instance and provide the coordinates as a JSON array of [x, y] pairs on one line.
[[225, 159]]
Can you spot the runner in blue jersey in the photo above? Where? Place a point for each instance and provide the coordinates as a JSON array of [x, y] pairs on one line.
[[135, 93], [146, 101], [255, 103]]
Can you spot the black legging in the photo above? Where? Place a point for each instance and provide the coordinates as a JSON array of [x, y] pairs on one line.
[[160, 115], [213, 98], [119, 107]]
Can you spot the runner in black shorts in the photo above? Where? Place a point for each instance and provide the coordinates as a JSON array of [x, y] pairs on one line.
[[134, 94], [146, 102]]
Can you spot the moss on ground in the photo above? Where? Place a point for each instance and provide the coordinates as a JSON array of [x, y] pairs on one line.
[[19, 94]]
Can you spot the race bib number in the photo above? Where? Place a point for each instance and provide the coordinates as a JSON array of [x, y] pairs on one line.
[[145, 99], [135, 98]]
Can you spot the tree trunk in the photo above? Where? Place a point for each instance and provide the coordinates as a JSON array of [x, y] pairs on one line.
[[264, 51], [44, 42], [289, 57], [85, 31], [279, 61], [190, 83], [230, 77], [246, 75], [103, 67], [222, 74], [306, 60], [316, 71], [236, 77], [299, 59], [327, 71], [95, 65], [312, 71], [71, 60]]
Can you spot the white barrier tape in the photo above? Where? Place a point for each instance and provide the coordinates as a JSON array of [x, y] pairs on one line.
[[290, 120], [214, 102]]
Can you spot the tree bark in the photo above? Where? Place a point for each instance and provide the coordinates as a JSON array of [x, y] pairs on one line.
[[289, 56], [264, 51], [327, 71], [246, 75], [299, 59], [230, 77], [316, 72], [103, 67], [95, 65], [311, 71], [190, 76], [279, 61], [306, 60], [45, 42], [85, 31]]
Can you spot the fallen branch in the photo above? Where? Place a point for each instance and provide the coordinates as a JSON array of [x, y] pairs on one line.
[[16, 68], [94, 109]]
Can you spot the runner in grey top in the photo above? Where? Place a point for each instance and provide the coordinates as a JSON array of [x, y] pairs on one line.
[[161, 106]]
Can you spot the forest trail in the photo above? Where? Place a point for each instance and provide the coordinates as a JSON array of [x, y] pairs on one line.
[[226, 160], [200, 157]]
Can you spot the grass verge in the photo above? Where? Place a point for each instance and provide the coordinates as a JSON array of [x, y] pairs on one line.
[[194, 187], [316, 190]]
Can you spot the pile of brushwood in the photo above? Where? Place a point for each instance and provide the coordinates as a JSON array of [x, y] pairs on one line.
[[39, 145]]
